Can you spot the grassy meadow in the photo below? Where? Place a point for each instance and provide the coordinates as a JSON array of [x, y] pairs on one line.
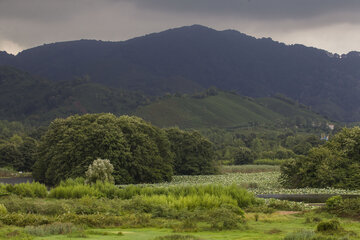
[[220, 206]]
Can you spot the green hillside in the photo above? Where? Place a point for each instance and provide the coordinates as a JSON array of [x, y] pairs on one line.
[[24, 97], [226, 110]]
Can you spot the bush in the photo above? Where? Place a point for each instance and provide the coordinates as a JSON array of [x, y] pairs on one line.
[[14, 204], [76, 191], [284, 205], [22, 220], [349, 207], [329, 226], [3, 209], [225, 217], [100, 170], [333, 203], [34, 189]]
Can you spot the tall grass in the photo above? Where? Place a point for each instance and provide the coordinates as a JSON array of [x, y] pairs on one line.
[[179, 197], [33, 189], [52, 229]]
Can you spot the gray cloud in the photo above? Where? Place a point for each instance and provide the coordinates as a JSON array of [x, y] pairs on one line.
[[263, 9], [329, 24]]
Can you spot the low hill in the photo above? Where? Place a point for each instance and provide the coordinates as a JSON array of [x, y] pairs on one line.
[[227, 110], [193, 58], [24, 97]]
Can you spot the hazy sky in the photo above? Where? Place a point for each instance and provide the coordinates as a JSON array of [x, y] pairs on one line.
[[333, 25]]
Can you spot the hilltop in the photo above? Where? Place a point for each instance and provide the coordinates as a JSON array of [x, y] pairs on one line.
[[194, 58]]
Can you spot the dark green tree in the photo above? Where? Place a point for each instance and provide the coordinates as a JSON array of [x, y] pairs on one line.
[[193, 154], [139, 152], [10, 156], [244, 155], [335, 164]]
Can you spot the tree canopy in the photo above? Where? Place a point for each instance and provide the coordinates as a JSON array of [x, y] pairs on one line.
[[139, 152], [335, 164], [194, 154]]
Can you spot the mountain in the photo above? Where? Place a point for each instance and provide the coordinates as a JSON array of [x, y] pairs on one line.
[[24, 97], [227, 110], [193, 58]]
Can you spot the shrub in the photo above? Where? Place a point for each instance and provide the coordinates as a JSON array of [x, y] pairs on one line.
[[329, 226], [34, 189], [348, 207], [284, 205], [100, 170], [333, 203], [22, 220], [14, 204], [76, 191], [3, 209], [225, 217]]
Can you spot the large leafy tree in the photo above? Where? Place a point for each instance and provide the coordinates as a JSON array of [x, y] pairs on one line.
[[194, 154], [139, 152], [335, 164]]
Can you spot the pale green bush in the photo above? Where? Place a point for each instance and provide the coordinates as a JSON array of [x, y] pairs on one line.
[[100, 170]]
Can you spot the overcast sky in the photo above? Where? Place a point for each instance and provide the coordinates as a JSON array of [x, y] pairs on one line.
[[333, 25]]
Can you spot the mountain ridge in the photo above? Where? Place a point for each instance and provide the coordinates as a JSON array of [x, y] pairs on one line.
[[194, 58]]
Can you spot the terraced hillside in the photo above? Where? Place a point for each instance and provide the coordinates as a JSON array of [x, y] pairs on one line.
[[226, 110]]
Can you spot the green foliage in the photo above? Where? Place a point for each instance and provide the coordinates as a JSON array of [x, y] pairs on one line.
[[3, 209], [301, 235], [77, 191], [329, 226], [18, 153], [51, 229], [22, 220], [348, 207], [177, 237], [138, 151], [334, 164], [33, 189], [38, 101], [227, 110], [194, 154], [100, 170], [276, 162], [334, 203], [226, 217], [244, 155]]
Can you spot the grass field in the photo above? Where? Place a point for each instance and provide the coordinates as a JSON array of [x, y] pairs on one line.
[[178, 214], [268, 227]]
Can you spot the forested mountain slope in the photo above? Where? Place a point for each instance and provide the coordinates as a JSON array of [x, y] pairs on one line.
[[192, 58]]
